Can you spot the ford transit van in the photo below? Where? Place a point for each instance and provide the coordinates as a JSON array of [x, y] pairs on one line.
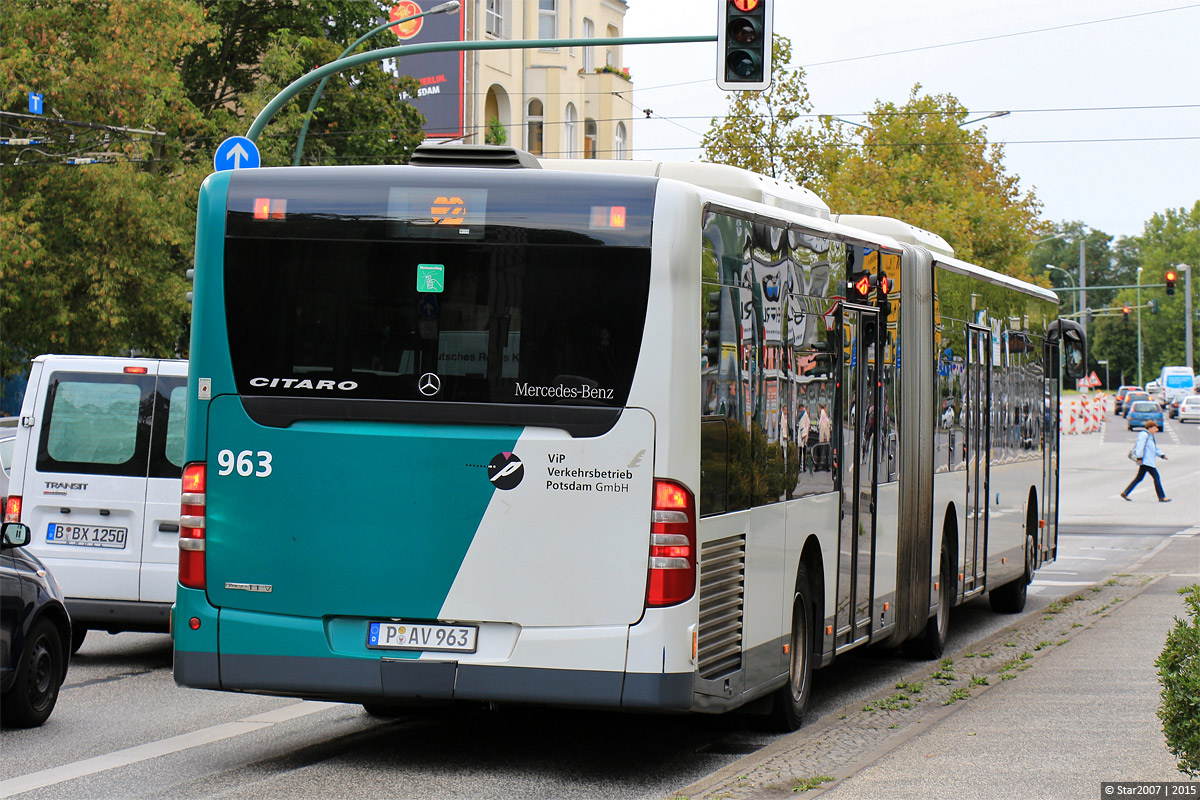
[[96, 476]]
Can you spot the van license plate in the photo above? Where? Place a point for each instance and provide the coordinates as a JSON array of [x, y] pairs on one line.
[[86, 535], [419, 636]]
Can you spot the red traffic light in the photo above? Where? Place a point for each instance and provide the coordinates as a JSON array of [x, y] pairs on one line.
[[1170, 275], [745, 5], [1170, 281]]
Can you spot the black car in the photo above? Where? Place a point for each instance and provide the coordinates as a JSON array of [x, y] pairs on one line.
[[35, 633]]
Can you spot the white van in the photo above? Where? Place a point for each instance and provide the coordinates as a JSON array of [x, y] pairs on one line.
[[96, 476]]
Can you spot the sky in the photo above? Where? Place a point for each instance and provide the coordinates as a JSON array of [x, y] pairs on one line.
[[1104, 94]]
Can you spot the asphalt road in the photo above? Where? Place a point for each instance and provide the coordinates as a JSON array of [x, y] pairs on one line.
[[123, 729]]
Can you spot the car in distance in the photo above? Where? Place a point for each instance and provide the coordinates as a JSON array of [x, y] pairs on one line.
[[1119, 399], [1189, 409], [1133, 397], [35, 633], [1143, 411]]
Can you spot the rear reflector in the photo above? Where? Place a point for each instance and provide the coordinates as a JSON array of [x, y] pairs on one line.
[[191, 526], [672, 565], [136, 370]]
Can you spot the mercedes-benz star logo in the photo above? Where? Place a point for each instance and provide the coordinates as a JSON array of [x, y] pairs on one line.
[[429, 384]]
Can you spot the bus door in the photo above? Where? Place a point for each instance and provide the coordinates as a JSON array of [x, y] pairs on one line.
[[1048, 546], [858, 460], [978, 400]]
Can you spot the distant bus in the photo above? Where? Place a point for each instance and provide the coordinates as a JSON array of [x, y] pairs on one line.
[[606, 434], [1176, 381]]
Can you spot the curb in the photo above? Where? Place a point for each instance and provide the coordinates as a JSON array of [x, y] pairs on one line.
[[817, 757]]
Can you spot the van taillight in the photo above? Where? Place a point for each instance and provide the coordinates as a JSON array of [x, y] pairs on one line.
[[191, 526], [672, 572], [12, 508]]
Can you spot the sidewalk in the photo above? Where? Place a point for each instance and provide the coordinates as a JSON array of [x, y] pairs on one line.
[[1048, 708]]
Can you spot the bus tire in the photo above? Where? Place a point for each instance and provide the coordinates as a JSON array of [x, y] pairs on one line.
[[1010, 598], [931, 642], [791, 699]]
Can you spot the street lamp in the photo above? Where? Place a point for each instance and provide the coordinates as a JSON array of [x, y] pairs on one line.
[[1071, 278], [1139, 324], [992, 115], [1187, 311], [450, 7]]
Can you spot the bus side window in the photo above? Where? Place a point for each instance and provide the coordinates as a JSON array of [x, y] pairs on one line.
[[714, 466]]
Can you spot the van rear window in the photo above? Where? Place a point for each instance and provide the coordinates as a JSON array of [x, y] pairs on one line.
[[113, 424], [94, 424]]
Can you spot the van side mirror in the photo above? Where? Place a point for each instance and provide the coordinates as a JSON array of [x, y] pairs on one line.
[[15, 534]]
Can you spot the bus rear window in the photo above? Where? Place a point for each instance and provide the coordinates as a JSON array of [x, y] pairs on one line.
[[436, 321]]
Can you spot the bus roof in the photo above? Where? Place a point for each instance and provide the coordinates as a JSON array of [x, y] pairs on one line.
[[717, 177]]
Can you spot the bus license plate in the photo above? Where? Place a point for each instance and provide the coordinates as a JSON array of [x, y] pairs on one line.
[[420, 636], [86, 535]]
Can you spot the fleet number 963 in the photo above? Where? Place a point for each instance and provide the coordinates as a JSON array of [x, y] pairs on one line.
[[247, 463]]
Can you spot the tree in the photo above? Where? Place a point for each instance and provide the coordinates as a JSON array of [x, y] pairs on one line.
[[1106, 263], [918, 163], [913, 162], [768, 132]]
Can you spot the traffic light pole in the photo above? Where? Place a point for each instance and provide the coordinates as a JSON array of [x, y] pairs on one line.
[[1187, 312], [298, 85]]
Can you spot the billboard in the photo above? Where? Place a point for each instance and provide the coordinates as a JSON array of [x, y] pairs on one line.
[[440, 75]]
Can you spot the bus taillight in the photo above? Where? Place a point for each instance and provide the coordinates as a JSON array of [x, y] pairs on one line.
[[191, 526], [672, 577]]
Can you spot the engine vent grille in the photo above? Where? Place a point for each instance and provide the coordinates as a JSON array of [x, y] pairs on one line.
[[473, 155], [722, 591]]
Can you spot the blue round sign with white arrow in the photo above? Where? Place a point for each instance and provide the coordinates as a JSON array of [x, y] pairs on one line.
[[236, 152]]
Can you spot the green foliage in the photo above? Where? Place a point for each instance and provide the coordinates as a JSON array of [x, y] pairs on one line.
[[1168, 239], [767, 132], [1179, 674], [917, 163], [913, 162], [496, 133]]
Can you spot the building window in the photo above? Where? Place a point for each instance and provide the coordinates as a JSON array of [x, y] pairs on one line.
[[619, 142], [533, 126], [612, 55], [589, 32], [493, 20], [570, 132], [547, 19], [589, 138]]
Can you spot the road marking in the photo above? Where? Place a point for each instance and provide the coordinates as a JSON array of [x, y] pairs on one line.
[[1080, 558], [145, 752], [1063, 583]]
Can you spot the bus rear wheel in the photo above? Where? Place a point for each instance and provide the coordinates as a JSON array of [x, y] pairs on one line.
[[791, 699], [931, 643]]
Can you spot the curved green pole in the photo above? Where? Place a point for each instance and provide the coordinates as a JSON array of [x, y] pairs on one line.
[[298, 85], [312, 105]]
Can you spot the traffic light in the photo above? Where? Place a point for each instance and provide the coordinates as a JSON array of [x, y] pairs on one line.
[[858, 287], [1153, 306], [712, 331], [1125, 311], [1171, 281], [744, 45]]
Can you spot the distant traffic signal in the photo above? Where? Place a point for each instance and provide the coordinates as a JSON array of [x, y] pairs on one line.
[[1125, 311], [1171, 281], [1153, 306], [744, 45]]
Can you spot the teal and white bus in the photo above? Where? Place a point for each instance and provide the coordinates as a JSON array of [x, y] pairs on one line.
[[621, 435]]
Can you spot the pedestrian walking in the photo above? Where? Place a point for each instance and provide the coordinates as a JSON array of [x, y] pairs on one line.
[[1147, 454]]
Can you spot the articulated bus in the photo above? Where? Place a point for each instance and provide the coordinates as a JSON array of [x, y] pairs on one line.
[[634, 435]]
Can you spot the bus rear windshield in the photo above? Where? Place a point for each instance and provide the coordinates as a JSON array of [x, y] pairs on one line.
[[525, 318]]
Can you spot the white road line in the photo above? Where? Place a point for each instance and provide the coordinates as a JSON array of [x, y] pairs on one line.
[[144, 752], [1080, 558], [1039, 581]]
